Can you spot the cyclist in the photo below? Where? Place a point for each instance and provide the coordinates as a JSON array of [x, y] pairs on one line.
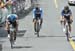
[[12, 19], [66, 16], [37, 12]]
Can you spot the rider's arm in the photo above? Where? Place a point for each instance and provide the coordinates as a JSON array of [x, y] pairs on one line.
[[6, 25], [17, 22], [41, 12], [62, 15], [16, 18], [7, 22], [33, 13], [71, 17]]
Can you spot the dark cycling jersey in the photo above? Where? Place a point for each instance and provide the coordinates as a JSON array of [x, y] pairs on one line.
[[37, 13], [66, 14]]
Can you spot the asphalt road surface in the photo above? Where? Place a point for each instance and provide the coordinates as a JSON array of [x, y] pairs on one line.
[[52, 38]]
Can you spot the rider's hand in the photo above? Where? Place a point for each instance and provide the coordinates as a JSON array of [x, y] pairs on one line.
[[62, 20], [33, 20], [71, 20]]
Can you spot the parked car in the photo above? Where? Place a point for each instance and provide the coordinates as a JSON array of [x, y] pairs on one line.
[[71, 2]]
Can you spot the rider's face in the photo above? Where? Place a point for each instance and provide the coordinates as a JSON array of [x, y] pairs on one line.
[[66, 10]]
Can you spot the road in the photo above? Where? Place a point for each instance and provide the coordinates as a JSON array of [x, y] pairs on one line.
[[52, 38]]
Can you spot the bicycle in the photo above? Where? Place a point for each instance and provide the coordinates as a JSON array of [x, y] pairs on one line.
[[12, 35], [37, 26]]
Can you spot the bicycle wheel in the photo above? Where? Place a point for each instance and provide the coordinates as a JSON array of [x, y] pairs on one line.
[[37, 28], [14, 35], [11, 39], [67, 33]]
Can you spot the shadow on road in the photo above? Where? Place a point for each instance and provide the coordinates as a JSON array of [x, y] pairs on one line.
[[42, 36], [2, 41], [18, 47], [0, 47], [3, 33], [21, 33]]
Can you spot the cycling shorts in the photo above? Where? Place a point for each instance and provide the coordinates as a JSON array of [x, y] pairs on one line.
[[14, 24], [68, 19]]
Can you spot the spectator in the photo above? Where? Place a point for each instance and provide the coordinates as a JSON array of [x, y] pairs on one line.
[[9, 6], [3, 11]]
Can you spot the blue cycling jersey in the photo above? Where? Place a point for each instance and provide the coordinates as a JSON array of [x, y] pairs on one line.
[[12, 17], [34, 12]]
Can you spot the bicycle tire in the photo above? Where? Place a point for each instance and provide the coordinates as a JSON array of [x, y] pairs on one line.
[[11, 39], [67, 33], [37, 28]]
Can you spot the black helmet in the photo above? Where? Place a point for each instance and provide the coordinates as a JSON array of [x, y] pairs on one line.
[[37, 8], [66, 8]]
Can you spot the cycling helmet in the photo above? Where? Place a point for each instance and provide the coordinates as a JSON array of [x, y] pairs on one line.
[[66, 8], [37, 8]]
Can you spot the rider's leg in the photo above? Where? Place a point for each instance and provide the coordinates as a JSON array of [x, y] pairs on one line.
[[7, 27], [15, 35], [41, 21], [64, 22], [8, 30], [15, 32], [70, 27], [7, 24], [35, 25]]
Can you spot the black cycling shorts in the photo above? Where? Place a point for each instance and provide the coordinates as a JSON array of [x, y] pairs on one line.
[[68, 19], [38, 16], [14, 24]]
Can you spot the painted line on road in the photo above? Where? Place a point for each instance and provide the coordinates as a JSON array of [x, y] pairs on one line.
[[72, 43], [56, 5]]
